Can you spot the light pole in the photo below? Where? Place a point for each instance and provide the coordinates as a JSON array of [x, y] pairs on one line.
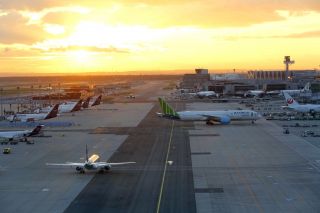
[[1, 89]]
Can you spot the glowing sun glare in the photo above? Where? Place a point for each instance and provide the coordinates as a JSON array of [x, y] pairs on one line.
[[79, 56]]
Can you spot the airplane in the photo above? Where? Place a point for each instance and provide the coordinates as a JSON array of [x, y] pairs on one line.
[[97, 101], [303, 108], [20, 135], [222, 117], [35, 116], [70, 107], [260, 93], [66, 107], [297, 91], [86, 103], [255, 93], [205, 94], [90, 164]]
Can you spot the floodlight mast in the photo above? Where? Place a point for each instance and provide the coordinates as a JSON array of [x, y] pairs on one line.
[[287, 61]]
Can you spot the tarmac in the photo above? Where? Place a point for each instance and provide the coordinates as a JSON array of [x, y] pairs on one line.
[[244, 167], [180, 166]]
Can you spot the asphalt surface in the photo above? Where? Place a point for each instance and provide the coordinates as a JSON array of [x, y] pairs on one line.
[[152, 184]]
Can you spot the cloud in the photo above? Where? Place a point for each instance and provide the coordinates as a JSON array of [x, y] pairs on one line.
[[14, 51], [27, 27], [86, 48], [164, 13], [14, 29], [310, 34], [63, 18]]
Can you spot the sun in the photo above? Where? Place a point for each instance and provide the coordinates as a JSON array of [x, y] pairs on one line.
[[80, 56]]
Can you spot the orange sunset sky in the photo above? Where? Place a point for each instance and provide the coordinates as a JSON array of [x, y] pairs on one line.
[[62, 36]]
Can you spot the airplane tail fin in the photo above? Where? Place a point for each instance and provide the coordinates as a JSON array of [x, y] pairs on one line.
[[97, 101], [306, 87], [290, 101], [86, 103], [53, 113], [167, 109], [36, 130], [87, 158], [77, 106]]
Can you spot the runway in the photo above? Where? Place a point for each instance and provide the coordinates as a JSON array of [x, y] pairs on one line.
[[145, 187]]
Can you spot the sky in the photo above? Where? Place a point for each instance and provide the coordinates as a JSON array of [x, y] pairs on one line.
[[80, 36]]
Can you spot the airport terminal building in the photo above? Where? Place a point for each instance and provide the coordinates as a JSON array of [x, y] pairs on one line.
[[239, 83]]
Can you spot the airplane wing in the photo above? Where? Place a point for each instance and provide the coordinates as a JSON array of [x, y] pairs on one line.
[[66, 164], [221, 119], [121, 163], [112, 164]]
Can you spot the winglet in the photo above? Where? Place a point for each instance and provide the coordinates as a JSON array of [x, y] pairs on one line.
[[53, 113], [167, 109]]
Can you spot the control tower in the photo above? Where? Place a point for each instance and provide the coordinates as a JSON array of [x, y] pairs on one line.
[[287, 61]]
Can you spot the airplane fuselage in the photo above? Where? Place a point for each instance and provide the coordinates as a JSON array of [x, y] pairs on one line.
[[205, 115], [15, 134], [27, 117], [305, 108]]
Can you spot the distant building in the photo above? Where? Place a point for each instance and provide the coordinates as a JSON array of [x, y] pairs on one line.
[[228, 76], [196, 81], [202, 71], [293, 75], [238, 84]]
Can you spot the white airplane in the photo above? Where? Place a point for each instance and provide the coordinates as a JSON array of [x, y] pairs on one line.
[[70, 107], [254, 93], [297, 91], [90, 164], [22, 134], [66, 107], [303, 108], [223, 116], [35, 116], [97, 101], [257, 93], [205, 94]]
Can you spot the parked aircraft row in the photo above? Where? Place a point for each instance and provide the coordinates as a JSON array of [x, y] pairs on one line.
[[91, 163], [257, 93], [75, 106], [51, 112], [249, 93]]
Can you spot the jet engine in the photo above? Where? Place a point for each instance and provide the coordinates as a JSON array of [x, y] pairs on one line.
[[79, 169], [225, 120], [107, 168]]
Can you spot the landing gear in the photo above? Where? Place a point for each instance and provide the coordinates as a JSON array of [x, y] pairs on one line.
[[252, 121], [80, 170], [210, 123]]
